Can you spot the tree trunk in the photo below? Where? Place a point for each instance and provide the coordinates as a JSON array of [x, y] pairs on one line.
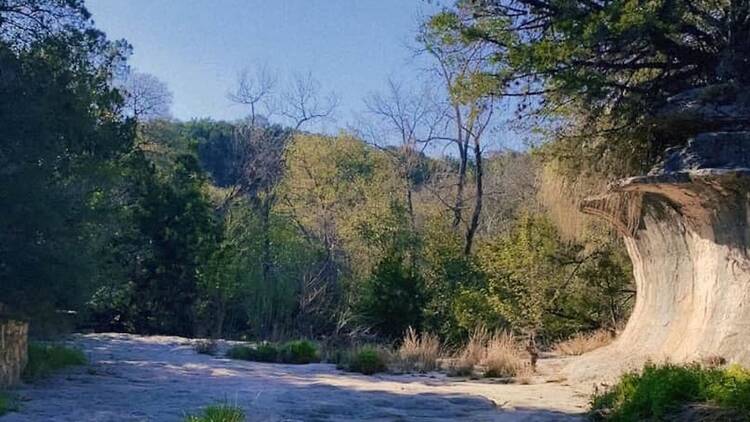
[[479, 193]]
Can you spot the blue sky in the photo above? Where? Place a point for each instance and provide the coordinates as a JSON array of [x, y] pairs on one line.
[[198, 46]]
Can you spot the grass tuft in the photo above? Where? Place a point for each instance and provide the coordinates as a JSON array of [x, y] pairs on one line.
[[218, 413], [46, 358], [296, 352], [418, 353], [584, 342], [367, 360], [504, 357], [299, 352], [471, 354], [661, 390]]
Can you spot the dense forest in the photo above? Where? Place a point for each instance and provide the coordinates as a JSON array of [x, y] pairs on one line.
[[260, 229], [414, 217]]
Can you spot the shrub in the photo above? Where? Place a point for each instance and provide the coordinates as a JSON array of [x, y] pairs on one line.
[[367, 360], [206, 347], [7, 403], [218, 413], [504, 357], [43, 359], [584, 342], [263, 352], [660, 390], [418, 353], [299, 352], [392, 299]]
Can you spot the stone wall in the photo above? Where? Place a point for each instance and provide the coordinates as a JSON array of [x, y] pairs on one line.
[[13, 349]]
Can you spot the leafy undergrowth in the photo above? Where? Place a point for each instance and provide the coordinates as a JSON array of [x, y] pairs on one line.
[[218, 413], [297, 352], [663, 390], [46, 358], [366, 360], [7, 403]]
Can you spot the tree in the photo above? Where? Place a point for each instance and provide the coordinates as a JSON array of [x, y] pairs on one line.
[[174, 235], [413, 120], [260, 147], [146, 97], [392, 299], [61, 139], [461, 66], [543, 286], [342, 196], [608, 67]]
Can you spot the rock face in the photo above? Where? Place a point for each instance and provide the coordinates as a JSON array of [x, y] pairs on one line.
[[13, 349], [686, 226]]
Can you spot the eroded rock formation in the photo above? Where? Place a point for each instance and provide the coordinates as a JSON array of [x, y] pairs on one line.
[[686, 227]]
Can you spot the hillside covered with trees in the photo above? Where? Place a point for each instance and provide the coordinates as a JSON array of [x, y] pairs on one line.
[[117, 217]]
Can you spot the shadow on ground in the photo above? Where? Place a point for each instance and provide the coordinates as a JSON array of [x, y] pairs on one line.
[[161, 379]]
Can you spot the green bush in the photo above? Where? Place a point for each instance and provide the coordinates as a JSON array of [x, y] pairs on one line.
[[263, 352], [367, 360], [299, 352], [7, 403], [659, 390], [218, 413], [391, 300], [44, 358], [266, 352]]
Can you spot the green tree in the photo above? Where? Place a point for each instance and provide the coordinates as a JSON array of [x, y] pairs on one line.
[[60, 139], [392, 299], [608, 67]]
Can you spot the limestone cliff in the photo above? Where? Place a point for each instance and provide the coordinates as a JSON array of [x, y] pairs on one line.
[[686, 228]]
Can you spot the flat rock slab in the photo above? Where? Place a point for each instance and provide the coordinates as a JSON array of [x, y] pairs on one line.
[[133, 378]]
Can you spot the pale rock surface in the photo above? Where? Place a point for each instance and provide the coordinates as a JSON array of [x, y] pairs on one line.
[[685, 226], [133, 378]]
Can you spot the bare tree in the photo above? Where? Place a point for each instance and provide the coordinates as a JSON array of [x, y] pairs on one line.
[[146, 97], [302, 101], [459, 67], [260, 146], [403, 124]]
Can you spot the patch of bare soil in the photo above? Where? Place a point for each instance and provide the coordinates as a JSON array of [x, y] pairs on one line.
[[134, 378]]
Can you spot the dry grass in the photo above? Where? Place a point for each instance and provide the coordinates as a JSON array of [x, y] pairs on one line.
[[500, 355], [418, 353], [471, 355], [584, 342], [561, 197], [505, 358]]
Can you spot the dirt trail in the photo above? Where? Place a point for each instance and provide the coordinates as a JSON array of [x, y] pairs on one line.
[[134, 378]]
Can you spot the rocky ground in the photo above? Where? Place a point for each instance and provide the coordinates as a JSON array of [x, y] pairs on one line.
[[133, 378]]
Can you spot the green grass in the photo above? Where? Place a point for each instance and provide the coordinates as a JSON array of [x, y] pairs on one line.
[[218, 413], [367, 360], [47, 358], [297, 352], [264, 352], [661, 390], [7, 403]]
